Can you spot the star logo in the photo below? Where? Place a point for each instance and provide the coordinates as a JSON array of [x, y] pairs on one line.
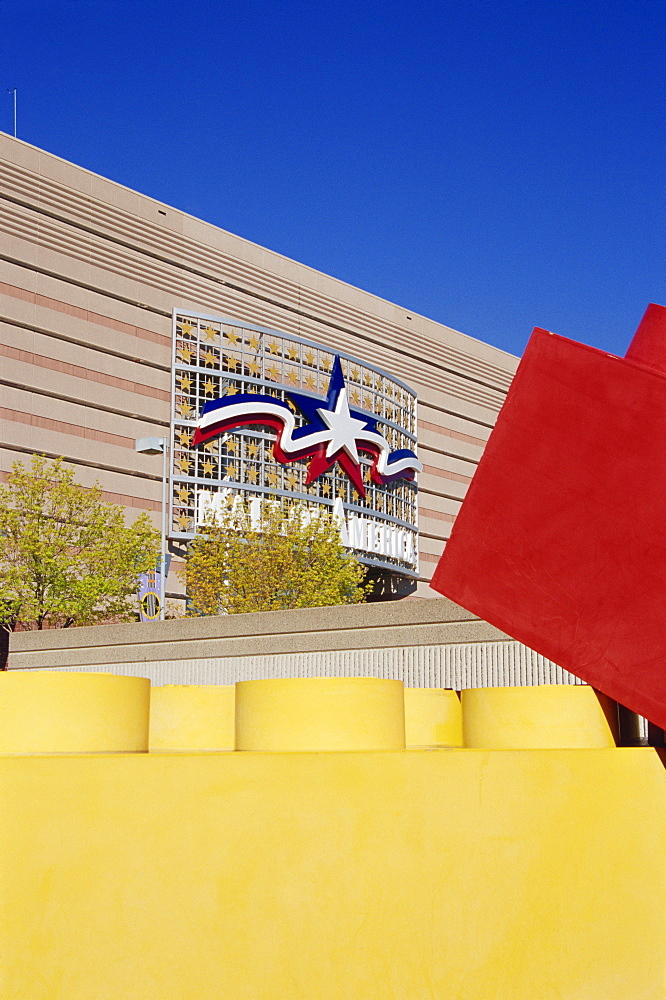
[[332, 432]]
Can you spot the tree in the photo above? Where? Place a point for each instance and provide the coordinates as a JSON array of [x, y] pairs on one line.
[[289, 556], [66, 557]]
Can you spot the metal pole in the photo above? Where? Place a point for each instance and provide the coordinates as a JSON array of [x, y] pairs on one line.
[[165, 452]]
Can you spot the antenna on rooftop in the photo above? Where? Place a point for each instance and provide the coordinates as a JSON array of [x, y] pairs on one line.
[[12, 90]]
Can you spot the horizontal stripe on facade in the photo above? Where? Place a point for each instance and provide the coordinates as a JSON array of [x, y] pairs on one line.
[[426, 425], [75, 460], [78, 371], [61, 427], [430, 470], [121, 499], [89, 404], [87, 345], [86, 314], [437, 514]]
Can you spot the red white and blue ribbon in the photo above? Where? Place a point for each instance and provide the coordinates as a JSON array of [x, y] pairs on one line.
[[333, 432]]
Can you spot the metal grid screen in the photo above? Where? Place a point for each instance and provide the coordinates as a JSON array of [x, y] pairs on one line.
[[213, 357]]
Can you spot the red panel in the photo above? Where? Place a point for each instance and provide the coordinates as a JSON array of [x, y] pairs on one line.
[[561, 539]]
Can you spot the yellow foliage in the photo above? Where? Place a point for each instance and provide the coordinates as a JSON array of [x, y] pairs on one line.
[[291, 558]]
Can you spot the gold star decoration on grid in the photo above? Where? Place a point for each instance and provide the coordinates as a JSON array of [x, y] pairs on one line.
[[252, 475], [291, 377], [272, 478], [273, 373], [355, 374], [209, 357], [253, 449], [355, 398], [210, 446], [207, 467], [185, 354], [210, 334], [183, 495], [209, 387], [326, 364], [309, 358], [185, 383], [232, 446], [231, 362], [326, 488], [253, 342], [268, 455], [231, 390], [367, 380], [341, 492], [310, 382], [293, 353], [183, 466], [184, 439], [185, 410], [254, 368], [274, 348], [292, 480], [230, 471], [183, 522], [232, 336], [186, 329]]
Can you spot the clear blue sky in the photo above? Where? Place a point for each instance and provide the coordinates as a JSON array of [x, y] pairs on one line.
[[493, 165]]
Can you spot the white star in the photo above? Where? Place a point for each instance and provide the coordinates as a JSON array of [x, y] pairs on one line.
[[345, 428]]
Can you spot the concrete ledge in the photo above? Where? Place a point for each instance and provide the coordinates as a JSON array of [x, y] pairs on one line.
[[364, 626]]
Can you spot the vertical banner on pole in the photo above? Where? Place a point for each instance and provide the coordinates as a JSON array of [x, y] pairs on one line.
[[150, 589]]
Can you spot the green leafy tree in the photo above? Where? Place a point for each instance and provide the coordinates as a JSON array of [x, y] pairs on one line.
[[291, 558], [66, 557]]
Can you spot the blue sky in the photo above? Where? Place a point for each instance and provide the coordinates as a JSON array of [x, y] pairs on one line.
[[493, 165]]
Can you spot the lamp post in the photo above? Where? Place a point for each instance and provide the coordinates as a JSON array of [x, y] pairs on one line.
[[159, 446]]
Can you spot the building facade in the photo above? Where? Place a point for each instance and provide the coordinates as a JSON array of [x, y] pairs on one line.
[[97, 285]]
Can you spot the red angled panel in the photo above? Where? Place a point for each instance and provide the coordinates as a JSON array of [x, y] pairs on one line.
[[561, 539]]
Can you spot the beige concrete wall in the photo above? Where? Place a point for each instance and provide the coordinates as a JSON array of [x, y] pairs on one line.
[[424, 643], [89, 274]]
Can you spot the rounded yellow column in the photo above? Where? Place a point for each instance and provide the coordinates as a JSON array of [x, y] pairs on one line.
[[433, 718], [44, 711], [192, 717], [320, 713], [546, 716]]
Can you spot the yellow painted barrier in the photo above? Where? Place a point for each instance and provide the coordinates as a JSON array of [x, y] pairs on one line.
[[192, 717], [433, 718], [546, 716], [320, 713], [44, 711], [458, 875]]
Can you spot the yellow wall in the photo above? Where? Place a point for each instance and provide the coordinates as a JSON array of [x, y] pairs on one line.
[[545, 716], [448, 874], [192, 717], [433, 718], [44, 711], [320, 713]]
